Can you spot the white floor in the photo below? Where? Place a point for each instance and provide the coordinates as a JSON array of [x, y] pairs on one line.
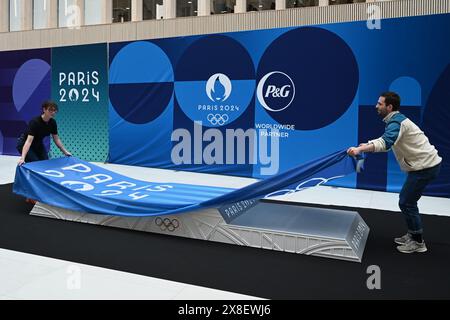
[[26, 276]]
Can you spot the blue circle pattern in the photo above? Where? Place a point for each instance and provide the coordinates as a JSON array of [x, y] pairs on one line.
[[324, 71], [215, 86], [141, 82]]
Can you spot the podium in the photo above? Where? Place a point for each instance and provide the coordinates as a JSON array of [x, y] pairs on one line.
[[269, 225]]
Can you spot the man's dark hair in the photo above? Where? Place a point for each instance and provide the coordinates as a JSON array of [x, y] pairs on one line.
[[49, 104], [391, 98]]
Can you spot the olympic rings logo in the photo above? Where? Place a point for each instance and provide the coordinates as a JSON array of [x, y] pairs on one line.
[[301, 186], [167, 224], [217, 119]]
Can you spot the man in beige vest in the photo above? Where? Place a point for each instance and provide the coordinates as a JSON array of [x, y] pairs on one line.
[[415, 155]]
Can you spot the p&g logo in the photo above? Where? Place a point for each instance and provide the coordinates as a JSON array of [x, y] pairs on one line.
[[275, 91]]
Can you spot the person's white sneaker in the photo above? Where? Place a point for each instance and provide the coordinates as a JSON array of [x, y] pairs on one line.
[[412, 246], [403, 239]]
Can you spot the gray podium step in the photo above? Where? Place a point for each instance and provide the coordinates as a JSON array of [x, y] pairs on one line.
[[283, 227]]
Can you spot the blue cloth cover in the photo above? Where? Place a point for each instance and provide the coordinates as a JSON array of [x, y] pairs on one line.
[[78, 185]]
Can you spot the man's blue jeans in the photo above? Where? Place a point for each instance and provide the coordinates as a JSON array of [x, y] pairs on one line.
[[412, 189]]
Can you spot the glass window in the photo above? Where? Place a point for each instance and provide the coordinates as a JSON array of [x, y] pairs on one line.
[[186, 8], [15, 15], [258, 5], [153, 9], [121, 10], [331, 2], [68, 13], [301, 3], [92, 12], [222, 6], [40, 13]]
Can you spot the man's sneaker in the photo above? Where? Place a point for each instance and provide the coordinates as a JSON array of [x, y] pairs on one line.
[[412, 246], [403, 239]]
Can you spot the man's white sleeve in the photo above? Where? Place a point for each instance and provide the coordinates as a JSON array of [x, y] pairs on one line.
[[379, 145]]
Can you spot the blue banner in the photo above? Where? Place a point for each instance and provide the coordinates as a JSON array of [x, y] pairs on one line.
[[78, 185], [257, 103]]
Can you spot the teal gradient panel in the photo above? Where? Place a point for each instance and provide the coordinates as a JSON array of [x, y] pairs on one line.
[[80, 88]]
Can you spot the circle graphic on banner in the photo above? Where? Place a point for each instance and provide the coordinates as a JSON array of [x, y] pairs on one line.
[[141, 82], [215, 81], [275, 91], [307, 77], [31, 86]]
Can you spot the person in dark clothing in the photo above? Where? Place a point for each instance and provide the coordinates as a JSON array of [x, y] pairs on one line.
[[30, 144]]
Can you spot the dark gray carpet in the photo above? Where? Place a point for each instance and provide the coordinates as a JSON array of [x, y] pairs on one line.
[[256, 272]]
